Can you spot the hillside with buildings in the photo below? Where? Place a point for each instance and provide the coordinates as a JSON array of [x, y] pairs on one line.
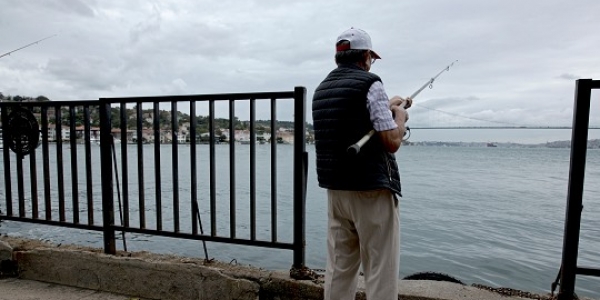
[[152, 124]]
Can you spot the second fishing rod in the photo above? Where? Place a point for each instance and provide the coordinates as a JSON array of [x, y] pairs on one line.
[[355, 148]]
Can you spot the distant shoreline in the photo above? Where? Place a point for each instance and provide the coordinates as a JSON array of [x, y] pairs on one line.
[[592, 144]]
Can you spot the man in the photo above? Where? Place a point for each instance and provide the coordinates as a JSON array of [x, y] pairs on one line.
[[362, 189]]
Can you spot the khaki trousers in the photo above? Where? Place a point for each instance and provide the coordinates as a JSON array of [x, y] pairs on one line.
[[363, 227]]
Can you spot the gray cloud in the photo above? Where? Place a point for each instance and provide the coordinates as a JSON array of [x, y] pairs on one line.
[[567, 76], [509, 54]]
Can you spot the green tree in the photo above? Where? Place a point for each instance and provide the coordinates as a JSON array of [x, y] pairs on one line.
[[115, 117]]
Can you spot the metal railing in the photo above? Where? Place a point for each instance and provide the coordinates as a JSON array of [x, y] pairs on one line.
[[56, 129], [579, 139], [158, 159]]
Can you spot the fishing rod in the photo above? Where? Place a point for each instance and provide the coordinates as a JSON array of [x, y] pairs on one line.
[[355, 148], [28, 45]]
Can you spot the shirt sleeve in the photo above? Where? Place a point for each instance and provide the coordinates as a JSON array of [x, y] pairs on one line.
[[377, 104]]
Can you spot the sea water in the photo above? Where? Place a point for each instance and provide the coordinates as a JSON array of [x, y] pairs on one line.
[[493, 216]]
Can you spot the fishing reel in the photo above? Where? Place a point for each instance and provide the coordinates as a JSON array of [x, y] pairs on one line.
[[407, 132], [23, 132]]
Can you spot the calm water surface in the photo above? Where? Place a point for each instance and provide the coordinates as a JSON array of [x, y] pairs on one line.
[[492, 216]]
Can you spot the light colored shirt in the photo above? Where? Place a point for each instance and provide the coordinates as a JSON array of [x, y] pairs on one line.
[[377, 104]]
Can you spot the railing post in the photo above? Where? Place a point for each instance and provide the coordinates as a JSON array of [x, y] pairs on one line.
[[108, 217], [300, 170], [579, 136], [6, 160]]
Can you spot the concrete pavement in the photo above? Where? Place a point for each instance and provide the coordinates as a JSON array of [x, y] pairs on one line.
[[51, 272], [19, 289]]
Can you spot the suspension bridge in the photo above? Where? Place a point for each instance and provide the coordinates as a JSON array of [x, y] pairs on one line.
[[423, 117]]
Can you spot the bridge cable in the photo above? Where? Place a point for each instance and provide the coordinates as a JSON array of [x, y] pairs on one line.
[[470, 118]]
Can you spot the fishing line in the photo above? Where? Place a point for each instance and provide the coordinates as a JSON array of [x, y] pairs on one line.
[[197, 209], [112, 143]]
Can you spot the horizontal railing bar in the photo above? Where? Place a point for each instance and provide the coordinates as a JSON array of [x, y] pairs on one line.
[[588, 271], [199, 97], [238, 241], [54, 223], [61, 104], [205, 97], [208, 238]]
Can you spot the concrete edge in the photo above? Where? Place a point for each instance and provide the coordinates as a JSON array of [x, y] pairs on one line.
[[156, 276]]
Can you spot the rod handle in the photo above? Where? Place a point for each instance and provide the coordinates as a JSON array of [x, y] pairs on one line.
[[355, 148]]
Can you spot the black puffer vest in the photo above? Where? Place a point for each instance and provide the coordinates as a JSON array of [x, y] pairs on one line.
[[341, 118]]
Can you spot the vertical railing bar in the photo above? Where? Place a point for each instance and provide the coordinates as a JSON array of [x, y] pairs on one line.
[[213, 179], [157, 180], [74, 177], [59, 165], [6, 157], [34, 188], [252, 169], [175, 163], [106, 169], [140, 164], [124, 161], [88, 164], [46, 164], [232, 187], [300, 170], [579, 140], [20, 184], [273, 170], [194, 176], [33, 182]]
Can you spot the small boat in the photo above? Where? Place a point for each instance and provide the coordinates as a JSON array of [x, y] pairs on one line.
[[492, 145], [97, 140]]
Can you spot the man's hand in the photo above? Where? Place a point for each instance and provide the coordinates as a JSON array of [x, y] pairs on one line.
[[392, 139], [400, 115], [399, 101]]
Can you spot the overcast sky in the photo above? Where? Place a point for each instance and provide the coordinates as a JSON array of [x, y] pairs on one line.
[[517, 60]]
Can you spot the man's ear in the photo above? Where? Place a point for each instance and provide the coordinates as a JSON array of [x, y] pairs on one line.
[[366, 56]]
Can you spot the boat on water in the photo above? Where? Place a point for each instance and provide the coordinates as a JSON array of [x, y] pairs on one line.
[[492, 145], [97, 140]]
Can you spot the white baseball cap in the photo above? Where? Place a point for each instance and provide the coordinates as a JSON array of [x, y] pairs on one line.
[[359, 40]]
